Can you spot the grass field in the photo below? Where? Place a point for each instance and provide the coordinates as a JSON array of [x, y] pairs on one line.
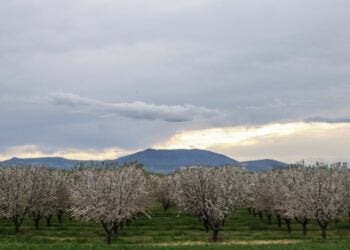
[[168, 231]]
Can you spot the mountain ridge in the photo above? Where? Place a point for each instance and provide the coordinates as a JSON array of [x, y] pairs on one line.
[[170, 160], [159, 160], [262, 164], [54, 162]]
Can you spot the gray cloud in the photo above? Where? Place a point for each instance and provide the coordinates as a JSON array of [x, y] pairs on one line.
[[259, 61], [328, 119], [134, 110]]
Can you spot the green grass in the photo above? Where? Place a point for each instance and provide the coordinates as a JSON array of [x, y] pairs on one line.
[[168, 231]]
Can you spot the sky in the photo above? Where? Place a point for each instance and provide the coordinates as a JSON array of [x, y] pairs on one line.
[[250, 79]]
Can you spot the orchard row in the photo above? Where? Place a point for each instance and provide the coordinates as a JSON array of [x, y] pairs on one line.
[[114, 195]]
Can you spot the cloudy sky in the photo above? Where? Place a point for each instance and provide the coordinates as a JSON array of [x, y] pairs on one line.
[[252, 79]]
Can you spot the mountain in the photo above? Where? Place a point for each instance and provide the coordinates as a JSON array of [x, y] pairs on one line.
[[260, 165], [53, 162], [169, 160], [160, 160]]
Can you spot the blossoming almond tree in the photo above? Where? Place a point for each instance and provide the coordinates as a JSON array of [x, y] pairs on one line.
[[347, 196], [44, 195], [294, 185], [315, 192], [248, 188], [16, 193], [109, 196], [163, 188], [62, 193], [210, 193], [327, 193]]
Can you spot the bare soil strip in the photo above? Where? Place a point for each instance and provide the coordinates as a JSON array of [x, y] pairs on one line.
[[233, 242]]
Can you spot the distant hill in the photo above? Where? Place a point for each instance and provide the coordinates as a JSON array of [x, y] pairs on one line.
[[53, 162], [160, 160], [260, 165], [169, 160]]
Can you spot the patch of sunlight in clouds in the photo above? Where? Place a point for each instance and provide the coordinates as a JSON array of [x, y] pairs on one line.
[[33, 151], [283, 141], [287, 142], [230, 136]]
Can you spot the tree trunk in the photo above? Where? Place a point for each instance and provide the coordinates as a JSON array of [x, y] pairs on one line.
[[17, 227], [324, 232], [109, 231], [304, 221], [206, 226], [260, 215], [254, 213], [115, 230], [323, 226], [269, 216], [249, 210], [305, 227], [60, 216], [289, 229], [349, 217], [166, 207], [109, 237], [279, 221], [223, 222], [215, 235], [36, 223], [48, 221]]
